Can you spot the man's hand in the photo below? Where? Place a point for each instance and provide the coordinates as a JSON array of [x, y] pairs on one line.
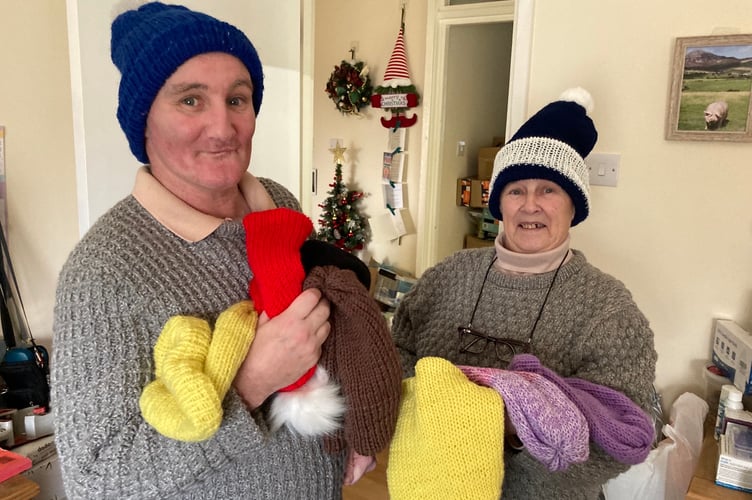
[[357, 466], [284, 347]]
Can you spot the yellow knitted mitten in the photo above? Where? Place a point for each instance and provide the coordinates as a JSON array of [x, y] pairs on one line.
[[194, 370]]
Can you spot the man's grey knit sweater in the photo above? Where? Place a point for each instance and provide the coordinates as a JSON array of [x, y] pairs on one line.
[[126, 277], [590, 328]]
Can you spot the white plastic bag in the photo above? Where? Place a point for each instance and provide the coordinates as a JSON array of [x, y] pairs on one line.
[[668, 469]]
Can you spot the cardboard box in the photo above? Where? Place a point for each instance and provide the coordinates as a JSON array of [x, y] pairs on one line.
[[732, 353], [735, 458], [486, 157], [49, 476], [472, 241], [391, 286], [472, 192], [45, 469]]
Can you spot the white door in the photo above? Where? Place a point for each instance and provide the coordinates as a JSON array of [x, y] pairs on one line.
[[441, 226]]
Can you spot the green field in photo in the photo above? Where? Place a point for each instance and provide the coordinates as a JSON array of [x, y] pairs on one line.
[[697, 93]]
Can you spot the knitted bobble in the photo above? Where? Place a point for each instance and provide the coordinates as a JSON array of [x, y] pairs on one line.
[[273, 241], [620, 427], [194, 371]]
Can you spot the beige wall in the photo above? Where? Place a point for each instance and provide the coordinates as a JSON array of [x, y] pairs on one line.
[[677, 230], [35, 108], [375, 30]]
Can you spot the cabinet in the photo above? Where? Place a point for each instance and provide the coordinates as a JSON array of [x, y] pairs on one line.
[[18, 488]]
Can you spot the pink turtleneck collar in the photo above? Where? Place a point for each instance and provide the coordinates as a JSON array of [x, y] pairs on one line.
[[528, 263]]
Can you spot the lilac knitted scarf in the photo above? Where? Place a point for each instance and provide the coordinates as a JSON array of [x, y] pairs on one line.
[[550, 426], [616, 423]]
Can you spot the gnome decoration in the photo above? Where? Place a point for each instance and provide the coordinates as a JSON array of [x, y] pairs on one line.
[[397, 94]]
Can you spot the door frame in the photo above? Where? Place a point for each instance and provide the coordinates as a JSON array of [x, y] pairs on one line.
[[440, 18]]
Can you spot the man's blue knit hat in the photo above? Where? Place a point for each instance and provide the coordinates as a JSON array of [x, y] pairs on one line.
[[147, 46], [551, 145]]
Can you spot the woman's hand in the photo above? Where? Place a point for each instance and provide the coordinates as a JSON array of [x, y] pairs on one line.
[[357, 466], [509, 429], [284, 347]]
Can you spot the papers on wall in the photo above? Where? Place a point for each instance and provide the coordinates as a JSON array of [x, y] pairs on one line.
[[394, 167], [390, 225], [396, 139], [394, 195], [395, 222]]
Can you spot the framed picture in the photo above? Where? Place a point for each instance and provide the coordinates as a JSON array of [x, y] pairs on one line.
[[711, 80]]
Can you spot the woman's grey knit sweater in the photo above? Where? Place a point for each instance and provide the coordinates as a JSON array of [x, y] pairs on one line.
[[121, 283], [590, 328]]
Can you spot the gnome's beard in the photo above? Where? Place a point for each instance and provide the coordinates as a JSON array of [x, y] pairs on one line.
[[314, 409]]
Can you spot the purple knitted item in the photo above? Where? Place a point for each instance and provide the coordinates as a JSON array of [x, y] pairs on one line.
[[616, 423], [550, 426]]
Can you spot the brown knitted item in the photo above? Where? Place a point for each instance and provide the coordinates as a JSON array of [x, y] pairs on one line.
[[360, 355]]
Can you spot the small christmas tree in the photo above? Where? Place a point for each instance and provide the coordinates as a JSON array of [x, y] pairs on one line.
[[341, 223]]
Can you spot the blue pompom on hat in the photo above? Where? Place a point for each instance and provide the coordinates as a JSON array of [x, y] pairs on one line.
[[149, 43], [551, 145]]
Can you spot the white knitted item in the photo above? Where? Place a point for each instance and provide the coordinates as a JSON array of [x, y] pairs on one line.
[[314, 409], [549, 153], [581, 97]]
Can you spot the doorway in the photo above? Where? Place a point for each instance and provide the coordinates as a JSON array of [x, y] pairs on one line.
[[477, 59]]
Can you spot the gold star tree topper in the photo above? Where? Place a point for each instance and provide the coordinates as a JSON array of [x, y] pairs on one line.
[[339, 154]]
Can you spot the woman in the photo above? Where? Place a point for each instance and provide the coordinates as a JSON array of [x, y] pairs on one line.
[[532, 293]]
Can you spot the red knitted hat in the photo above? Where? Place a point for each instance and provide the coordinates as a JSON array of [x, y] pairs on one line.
[[273, 240]]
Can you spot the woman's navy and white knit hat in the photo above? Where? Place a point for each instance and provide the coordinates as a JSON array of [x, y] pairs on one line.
[[551, 145], [149, 43]]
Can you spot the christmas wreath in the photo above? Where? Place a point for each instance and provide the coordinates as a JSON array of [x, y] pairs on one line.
[[349, 87]]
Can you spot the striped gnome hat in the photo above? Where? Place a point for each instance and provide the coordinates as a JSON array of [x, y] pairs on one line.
[[551, 145]]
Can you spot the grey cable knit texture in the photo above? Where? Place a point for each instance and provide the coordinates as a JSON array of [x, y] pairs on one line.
[[121, 283], [591, 328]]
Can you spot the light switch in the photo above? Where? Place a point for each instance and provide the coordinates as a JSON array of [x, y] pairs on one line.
[[604, 168]]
